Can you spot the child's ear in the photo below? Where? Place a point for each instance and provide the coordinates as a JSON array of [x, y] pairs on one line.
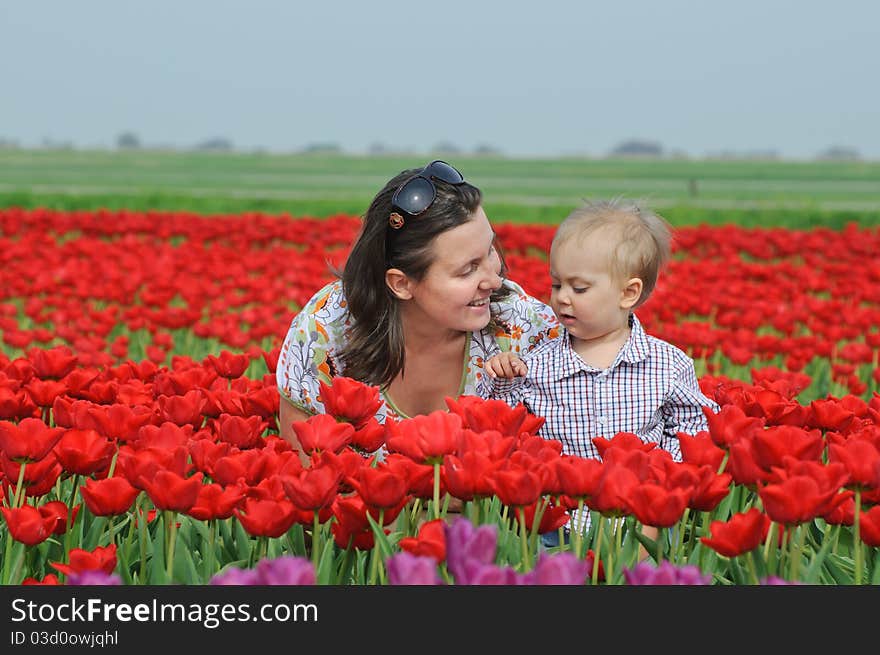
[[399, 283], [631, 293]]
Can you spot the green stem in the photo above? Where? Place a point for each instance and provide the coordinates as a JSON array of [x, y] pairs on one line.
[[316, 542], [436, 490], [750, 560], [171, 533], [857, 540], [377, 552], [658, 555], [7, 558], [594, 578], [579, 533], [19, 486], [67, 532], [679, 542], [796, 550], [524, 538], [210, 555]]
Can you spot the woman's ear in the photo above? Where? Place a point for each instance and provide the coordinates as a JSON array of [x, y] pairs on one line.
[[399, 283], [631, 293]]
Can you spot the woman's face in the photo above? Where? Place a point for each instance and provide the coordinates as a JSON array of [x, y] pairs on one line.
[[454, 294]]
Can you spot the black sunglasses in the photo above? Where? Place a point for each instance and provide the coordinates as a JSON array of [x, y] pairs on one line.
[[417, 193]]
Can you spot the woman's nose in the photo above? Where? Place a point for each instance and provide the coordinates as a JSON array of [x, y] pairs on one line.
[[492, 280]]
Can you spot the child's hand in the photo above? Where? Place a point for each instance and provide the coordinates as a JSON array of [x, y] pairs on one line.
[[505, 365]]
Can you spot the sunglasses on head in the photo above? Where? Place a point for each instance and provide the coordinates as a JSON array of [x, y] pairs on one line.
[[417, 193]]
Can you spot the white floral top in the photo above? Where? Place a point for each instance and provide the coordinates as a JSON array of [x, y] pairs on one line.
[[309, 352]]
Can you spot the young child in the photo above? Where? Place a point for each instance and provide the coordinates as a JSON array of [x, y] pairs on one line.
[[605, 375]]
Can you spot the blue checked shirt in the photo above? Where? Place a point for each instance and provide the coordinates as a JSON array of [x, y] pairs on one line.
[[650, 390]]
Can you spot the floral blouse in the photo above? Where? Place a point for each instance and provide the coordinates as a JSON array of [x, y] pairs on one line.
[[309, 353]]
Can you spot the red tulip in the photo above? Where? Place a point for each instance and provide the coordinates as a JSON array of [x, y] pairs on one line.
[[379, 487], [731, 425], [52, 364], [516, 487], [84, 452], [182, 410], [579, 476], [740, 534], [216, 502], [28, 525], [229, 365], [170, 491], [771, 445], [869, 527], [313, 488], [349, 400], [430, 542], [48, 579], [29, 441], [700, 449], [266, 518], [862, 461], [480, 415], [108, 497], [369, 437], [239, 431], [322, 433], [469, 476], [102, 558], [797, 500], [623, 441], [656, 505], [426, 438]]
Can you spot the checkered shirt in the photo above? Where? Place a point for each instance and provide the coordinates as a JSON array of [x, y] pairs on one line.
[[650, 390]]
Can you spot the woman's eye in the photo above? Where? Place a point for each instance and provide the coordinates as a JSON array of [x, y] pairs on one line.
[[555, 286], [579, 289]]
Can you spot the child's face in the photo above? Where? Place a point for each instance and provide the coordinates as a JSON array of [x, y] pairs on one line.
[[588, 301]]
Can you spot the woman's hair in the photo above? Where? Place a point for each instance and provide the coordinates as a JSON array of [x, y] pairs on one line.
[[639, 240], [374, 351]]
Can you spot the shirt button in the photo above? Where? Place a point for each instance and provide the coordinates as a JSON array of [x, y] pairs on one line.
[[601, 420]]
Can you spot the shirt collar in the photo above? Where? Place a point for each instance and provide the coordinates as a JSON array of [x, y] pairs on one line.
[[566, 362]]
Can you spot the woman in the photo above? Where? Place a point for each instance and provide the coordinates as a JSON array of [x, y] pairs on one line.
[[420, 305]]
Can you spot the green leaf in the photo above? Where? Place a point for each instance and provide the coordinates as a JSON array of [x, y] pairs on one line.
[[811, 575], [379, 536]]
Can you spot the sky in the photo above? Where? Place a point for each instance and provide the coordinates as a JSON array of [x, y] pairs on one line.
[[531, 79]]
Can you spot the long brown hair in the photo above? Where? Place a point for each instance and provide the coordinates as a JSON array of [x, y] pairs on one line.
[[374, 351]]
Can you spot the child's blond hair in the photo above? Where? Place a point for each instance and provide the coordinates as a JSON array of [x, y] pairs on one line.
[[640, 239]]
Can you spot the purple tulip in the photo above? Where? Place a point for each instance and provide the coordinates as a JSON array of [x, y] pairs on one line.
[[560, 569], [465, 543], [665, 574], [408, 569], [772, 580], [286, 570], [85, 578], [234, 576], [474, 572]]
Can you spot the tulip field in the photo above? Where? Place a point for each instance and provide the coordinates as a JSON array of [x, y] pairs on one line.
[[139, 437]]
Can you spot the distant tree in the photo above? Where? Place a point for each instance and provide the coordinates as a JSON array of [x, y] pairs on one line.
[[215, 144], [325, 147], [486, 150], [638, 148], [446, 148], [128, 141], [840, 153], [8, 144], [377, 148]]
